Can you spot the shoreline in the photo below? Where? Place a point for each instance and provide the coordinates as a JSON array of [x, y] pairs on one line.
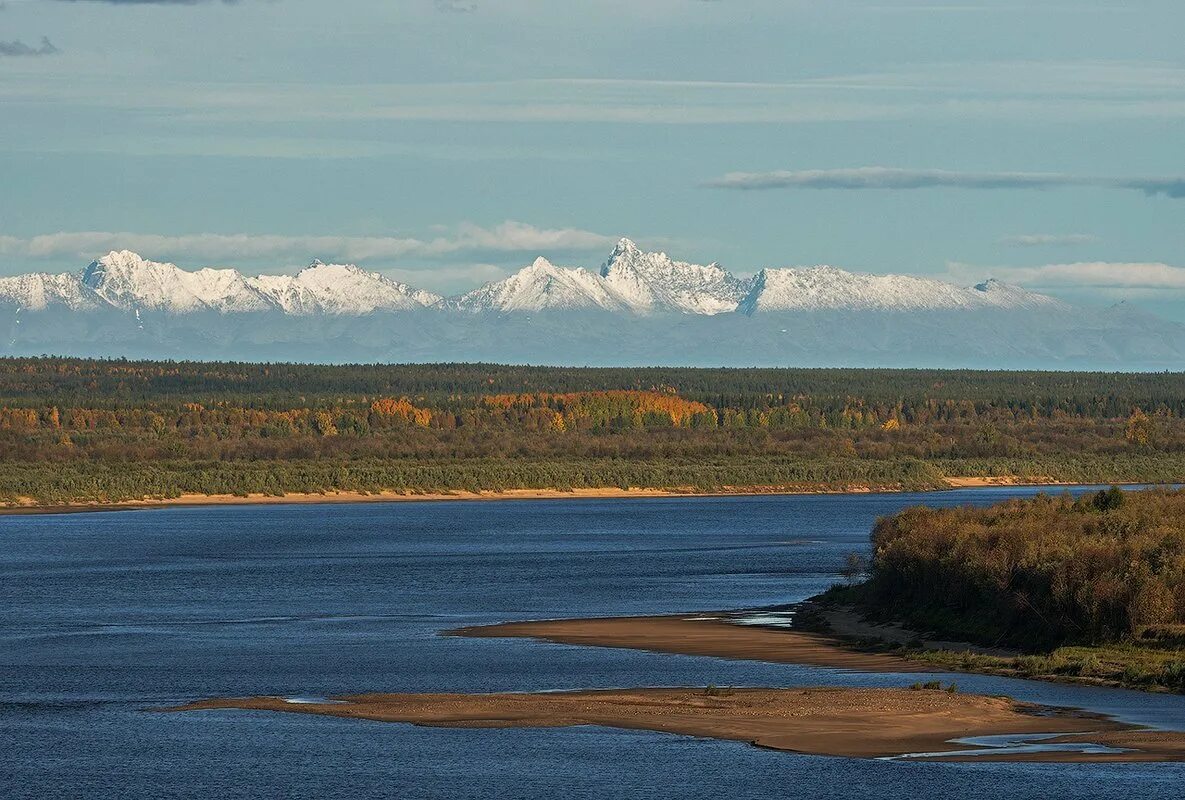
[[333, 498], [706, 634], [925, 722], [921, 724]]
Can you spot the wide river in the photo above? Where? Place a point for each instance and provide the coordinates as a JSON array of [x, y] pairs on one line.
[[103, 616]]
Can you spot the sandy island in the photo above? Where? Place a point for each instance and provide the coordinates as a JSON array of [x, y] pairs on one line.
[[699, 635], [30, 506], [866, 723]]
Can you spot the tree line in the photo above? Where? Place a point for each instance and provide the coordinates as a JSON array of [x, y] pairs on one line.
[[120, 429]]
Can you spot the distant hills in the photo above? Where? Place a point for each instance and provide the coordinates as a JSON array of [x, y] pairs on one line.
[[638, 308]]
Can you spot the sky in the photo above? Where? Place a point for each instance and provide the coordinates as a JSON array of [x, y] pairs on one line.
[[448, 142]]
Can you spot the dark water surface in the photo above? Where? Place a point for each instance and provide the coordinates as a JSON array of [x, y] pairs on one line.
[[105, 615]]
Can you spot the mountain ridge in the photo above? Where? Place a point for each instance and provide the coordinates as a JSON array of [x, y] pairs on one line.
[[630, 281], [637, 309]]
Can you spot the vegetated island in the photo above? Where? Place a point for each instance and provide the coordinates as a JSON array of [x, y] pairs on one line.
[[865, 723], [78, 433], [1090, 590]]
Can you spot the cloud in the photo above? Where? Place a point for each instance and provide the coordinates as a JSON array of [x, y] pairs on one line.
[[464, 241], [1048, 239], [1085, 275], [456, 6], [886, 178], [19, 48], [861, 178], [1169, 187]]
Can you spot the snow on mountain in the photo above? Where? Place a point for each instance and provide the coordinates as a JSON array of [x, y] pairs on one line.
[[1005, 295], [39, 291], [543, 286], [631, 282], [341, 289], [127, 281], [654, 282], [829, 288]]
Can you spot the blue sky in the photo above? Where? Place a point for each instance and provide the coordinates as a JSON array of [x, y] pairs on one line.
[[446, 142]]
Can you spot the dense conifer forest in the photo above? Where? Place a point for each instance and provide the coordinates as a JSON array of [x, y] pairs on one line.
[[108, 430]]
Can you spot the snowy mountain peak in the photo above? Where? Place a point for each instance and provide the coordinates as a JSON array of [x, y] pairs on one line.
[[340, 289], [38, 291], [542, 265], [655, 282], [543, 286], [127, 281], [631, 281], [825, 287], [625, 245]]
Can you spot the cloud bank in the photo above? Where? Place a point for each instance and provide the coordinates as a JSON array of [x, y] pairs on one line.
[[1049, 239], [1086, 275], [862, 178], [465, 241]]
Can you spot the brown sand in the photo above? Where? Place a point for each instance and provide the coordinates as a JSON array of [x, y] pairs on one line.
[[29, 506], [1000, 480], [296, 498], [824, 721], [700, 635]]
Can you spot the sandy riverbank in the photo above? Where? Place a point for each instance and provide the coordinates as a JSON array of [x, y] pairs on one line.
[[29, 506], [865, 723], [699, 635]]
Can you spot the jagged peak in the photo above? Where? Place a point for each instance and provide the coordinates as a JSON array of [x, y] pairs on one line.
[[317, 267], [121, 258], [625, 245], [540, 264]]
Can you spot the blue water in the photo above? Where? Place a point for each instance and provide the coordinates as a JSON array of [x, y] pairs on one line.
[[105, 615]]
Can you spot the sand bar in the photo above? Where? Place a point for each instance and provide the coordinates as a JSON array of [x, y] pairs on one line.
[[866, 723], [700, 635]]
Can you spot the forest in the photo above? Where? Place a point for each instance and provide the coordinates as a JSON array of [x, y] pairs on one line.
[[78, 430], [1093, 586]]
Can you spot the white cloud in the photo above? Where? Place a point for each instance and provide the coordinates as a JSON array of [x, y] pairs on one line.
[[463, 241], [1060, 90], [1049, 239], [1083, 275], [862, 178]]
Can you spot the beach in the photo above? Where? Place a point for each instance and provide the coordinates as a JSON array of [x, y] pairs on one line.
[[699, 635], [859, 723], [30, 506]]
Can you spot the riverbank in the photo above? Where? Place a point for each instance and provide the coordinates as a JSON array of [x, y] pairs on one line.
[[29, 506], [699, 635], [861, 723], [824, 635]]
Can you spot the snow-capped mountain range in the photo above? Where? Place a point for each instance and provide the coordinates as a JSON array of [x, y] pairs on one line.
[[629, 282], [638, 308]]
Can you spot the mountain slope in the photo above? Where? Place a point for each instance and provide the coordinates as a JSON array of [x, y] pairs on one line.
[[828, 288], [639, 308], [544, 286], [38, 291], [654, 282], [339, 289], [127, 281]]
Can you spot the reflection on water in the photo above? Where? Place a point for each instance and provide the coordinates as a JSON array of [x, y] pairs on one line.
[[103, 616], [1016, 744], [764, 619]]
